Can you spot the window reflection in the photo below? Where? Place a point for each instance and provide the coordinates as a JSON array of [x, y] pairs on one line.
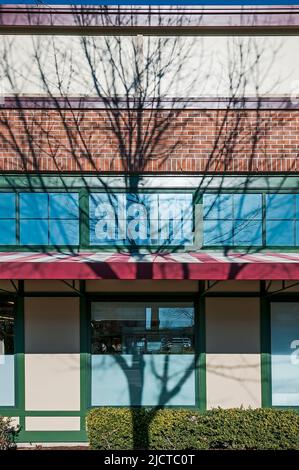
[[139, 328], [6, 328]]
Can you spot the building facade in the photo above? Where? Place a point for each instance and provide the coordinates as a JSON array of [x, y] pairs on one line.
[[149, 211]]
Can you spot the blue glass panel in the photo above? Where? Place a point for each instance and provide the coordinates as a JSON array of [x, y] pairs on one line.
[[7, 380], [33, 205], [285, 353], [109, 383], [7, 232], [280, 232], [248, 206], [297, 206], [175, 232], [297, 232], [64, 232], [64, 205], [218, 206], [248, 232], [7, 205], [33, 232], [175, 206], [96, 200], [280, 206], [218, 232]]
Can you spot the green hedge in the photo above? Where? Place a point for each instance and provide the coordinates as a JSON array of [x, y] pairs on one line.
[[167, 429]]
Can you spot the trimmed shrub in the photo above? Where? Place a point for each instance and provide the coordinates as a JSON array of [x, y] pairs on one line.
[[180, 429], [7, 434]]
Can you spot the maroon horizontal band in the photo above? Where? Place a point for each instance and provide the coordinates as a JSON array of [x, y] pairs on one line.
[[54, 16], [184, 266]]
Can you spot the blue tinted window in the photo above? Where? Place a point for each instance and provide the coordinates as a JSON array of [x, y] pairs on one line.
[[280, 232], [33, 206], [297, 232], [280, 206], [137, 219], [49, 219], [245, 214], [218, 206], [248, 206], [248, 233], [218, 232], [7, 232], [64, 232], [34, 232], [7, 219], [64, 206], [7, 205]]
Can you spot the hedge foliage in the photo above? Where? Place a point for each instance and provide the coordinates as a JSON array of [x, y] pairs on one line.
[[179, 429], [8, 433]]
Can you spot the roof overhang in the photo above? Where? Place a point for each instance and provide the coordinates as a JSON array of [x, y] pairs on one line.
[[143, 18], [174, 266]]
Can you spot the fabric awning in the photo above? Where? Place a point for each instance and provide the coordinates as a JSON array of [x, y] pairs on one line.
[[192, 266]]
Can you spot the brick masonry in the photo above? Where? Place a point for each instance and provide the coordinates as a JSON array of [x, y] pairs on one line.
[[149, 141]]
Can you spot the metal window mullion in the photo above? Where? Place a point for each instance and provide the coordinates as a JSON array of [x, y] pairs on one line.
[[17, 204], [48, 219], [264, 221]]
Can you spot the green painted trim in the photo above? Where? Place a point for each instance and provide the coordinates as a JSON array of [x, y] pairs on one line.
[[51, 436], [265, 338], [12, 410], [84, 382], [19, 352], [72, 181], [84, 217], [51, 413], [202, 348]]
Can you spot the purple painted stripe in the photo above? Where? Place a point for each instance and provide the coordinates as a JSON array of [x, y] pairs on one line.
[[150, 17], [283, 103]]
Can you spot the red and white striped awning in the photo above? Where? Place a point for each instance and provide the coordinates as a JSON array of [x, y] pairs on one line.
[[192, 266]]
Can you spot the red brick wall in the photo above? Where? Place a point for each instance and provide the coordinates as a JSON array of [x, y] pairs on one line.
[[186, 140]]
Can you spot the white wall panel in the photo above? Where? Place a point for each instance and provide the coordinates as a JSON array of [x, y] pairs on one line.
[[52, 423]]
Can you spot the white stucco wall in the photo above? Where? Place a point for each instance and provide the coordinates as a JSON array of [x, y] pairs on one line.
[[190, 65], [52, 359], [233, 352]]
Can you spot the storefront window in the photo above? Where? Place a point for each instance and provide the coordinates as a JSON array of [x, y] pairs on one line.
[[140, 350], [285, 353], [49, 219], [7, 389], [141, 219], [282, 219], [232, 219], [7, 219]]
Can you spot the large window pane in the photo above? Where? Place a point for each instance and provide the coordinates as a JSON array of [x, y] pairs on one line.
[[280, 232], [34, 232], [218, 232], [64, 232], [64, 206], [248, 206], [280, 206], [141, 219], [7, 387], [248, 233], [218, 206], [285, 353], [7, 232], [7, 206], [141, 349], [33, 206]]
